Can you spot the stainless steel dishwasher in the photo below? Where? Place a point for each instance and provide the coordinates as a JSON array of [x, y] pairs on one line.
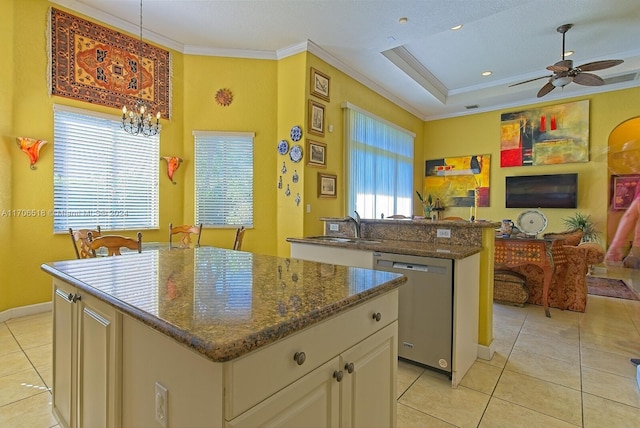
[[425, 308]]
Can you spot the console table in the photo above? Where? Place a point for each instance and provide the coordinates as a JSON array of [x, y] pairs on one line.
[[511, 252]]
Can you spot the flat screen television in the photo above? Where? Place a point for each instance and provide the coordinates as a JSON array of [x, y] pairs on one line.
[[542, 191]]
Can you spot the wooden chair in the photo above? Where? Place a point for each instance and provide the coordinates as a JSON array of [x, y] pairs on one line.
[[185, 231], [80, 240], [237, 243], [113, 243]]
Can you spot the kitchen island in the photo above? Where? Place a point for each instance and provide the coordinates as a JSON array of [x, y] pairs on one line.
[[215, 337]]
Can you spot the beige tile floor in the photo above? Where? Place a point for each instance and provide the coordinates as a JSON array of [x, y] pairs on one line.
[[569, 370]]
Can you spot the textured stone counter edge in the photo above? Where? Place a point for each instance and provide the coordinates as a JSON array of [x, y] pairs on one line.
[[240, 347], [412, 248], [457, 223]]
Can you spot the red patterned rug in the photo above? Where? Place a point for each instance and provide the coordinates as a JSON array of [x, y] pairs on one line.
[[609, 288]]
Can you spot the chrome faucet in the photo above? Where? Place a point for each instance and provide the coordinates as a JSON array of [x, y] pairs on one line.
[[356, 223]]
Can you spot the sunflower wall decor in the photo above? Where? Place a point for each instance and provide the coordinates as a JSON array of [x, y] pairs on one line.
[[224, 97]]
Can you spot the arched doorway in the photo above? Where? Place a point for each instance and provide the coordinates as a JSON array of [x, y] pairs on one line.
[[624, 177]]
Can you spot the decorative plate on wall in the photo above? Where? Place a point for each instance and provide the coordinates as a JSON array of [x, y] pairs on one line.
[[295, 154], [283, 147], [296, 133], [532, 222]]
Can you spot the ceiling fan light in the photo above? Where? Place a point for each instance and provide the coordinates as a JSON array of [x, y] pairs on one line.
[[561, 81]]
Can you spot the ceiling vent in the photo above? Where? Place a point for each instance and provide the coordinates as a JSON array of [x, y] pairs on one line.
[[621, 78], [471, 107]]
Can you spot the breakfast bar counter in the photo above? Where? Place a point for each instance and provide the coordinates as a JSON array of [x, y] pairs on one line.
[[205, 324]]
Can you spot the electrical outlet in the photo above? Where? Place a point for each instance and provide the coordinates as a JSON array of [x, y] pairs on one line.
[[334, 227], [161, 405], [308, 208], [443, 233]]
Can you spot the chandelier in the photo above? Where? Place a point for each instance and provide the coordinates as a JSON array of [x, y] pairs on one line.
[[138, 120]]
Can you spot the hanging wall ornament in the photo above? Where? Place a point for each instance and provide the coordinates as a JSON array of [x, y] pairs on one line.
[[173, 163], [224, 97], [31, 147]]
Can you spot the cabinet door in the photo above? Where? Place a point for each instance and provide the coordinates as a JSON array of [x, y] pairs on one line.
[[99, 354], [334, 255], [368, 394], [311, 401], [64, 354]]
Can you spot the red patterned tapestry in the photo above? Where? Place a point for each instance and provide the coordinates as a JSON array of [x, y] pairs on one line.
[[92, 63]]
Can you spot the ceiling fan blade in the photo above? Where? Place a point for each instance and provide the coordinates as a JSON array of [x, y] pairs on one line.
[[545, 89], [588, 79], [600, 65], [530, 80], [560, 66]]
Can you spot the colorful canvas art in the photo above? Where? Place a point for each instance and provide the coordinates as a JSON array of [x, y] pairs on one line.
[[459, 181], [545, 135], [95, 64]]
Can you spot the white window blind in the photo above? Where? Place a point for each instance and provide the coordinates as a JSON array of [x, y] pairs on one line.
[[379, 164], [102, 175], [224, 179]]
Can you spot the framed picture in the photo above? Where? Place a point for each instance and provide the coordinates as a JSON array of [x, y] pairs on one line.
[[316, 118], [319, 84], [316, 154], [327, 185], [624, 190]]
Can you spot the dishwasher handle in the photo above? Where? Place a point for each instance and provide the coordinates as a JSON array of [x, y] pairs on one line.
[[411, 266]]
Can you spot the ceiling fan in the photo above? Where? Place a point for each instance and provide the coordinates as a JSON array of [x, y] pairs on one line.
[[564, 72]]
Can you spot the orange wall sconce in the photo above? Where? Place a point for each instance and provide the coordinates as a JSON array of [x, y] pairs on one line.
[[31, 147], [173, 163]]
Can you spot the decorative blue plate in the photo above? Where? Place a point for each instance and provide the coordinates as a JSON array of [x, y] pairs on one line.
[[296, 133], [283, 147], [295, 154]]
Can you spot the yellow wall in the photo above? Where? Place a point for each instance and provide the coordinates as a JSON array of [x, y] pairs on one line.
[[7, 143], [480, 134]]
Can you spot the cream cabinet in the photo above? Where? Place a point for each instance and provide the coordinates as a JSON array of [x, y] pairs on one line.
[[86, 363], [354, 389], [333, 255]]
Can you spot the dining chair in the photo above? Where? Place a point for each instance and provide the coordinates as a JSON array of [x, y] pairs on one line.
[[113, 243], [237, 243], [185, 231], [80, 240]]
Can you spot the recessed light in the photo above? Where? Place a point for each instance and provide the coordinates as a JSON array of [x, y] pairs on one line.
[[457, 27], [403, 20], [487, 73]]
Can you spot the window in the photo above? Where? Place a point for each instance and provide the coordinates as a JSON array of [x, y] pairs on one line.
[[102, 175], [379, 165], [224, 178]]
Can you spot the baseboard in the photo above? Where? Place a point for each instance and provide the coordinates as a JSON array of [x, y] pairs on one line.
[[23, 311], [486, 352]]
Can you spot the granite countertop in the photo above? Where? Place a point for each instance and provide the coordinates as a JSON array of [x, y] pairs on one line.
[[413, 248], [223, 303]]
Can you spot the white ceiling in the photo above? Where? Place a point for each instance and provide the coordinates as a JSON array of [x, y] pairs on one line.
[[514, 39]]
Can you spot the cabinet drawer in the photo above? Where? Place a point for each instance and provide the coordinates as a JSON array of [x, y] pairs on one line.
[[257, 375]]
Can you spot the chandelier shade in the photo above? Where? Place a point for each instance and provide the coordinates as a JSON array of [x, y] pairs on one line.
[[138, 120]]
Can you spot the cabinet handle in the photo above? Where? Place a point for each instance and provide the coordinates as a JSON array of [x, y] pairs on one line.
[[377, 316], [300, 358], [338, 375], [349, 367], [76, 297]]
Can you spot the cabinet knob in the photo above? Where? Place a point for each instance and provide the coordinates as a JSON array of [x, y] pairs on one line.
[[76, 297], [338, 375], [300, 358], [377, 316], [349, 367], [70, 297]]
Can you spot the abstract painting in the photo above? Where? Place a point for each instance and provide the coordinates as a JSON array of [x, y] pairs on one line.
[[545, 135], [457, 180]]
